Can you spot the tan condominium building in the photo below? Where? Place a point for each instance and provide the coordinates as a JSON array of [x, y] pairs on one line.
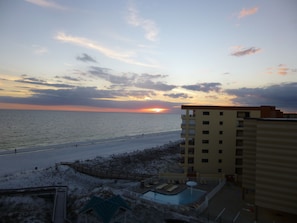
[[213, 138], [269, 177]]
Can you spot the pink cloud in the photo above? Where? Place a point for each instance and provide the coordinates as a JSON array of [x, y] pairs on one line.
[[282, 69], [240, 51], [247, 12]]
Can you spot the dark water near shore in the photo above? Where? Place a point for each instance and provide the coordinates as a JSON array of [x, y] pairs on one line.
[[25, 129]]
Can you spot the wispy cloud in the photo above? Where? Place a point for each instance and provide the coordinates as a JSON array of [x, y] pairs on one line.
[[68, 78], [281, 69], [247, 12], [40, 82], [149, 26], [86, 58], [39, 50], [239, 51], [178, 95], [126, 57], [47, 4], [204, 87]]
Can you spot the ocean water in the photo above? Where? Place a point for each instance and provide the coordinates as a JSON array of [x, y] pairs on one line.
[[29, 129]]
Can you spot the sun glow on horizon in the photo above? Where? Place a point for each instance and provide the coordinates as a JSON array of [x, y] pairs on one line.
[[155, 110]]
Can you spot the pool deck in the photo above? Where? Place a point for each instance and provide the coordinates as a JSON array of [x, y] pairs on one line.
[[173, 187]]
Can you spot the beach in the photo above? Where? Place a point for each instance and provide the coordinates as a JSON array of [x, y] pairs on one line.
[[43, 157], [31, 168]]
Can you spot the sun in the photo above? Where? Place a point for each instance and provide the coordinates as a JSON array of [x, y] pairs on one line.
[[157, 110], [154, 110]]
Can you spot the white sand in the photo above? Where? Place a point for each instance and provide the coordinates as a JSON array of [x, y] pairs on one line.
[[25, 160]]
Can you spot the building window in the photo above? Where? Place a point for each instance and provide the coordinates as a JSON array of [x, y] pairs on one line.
[[221, 132], [238, 152], [220, 160], [191, 151], [238, 161], [239, 142], [182, 160], [190, 160], [205, 123], [191, 142], [205, 113], [221, 122], [220, 151], [242, 114], [239, 133], [240, 123], [220, 141], [221, 113], [205, 151], [205, 141], [205, 132], [238, 171], [219, 170], [204, 160]]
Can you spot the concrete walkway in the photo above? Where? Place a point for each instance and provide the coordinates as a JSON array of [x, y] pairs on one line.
[[59, 212]]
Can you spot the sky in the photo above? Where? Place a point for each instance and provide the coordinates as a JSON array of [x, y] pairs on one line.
[[147, 56]]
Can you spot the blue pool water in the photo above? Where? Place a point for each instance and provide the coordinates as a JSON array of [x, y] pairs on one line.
[[182, 198]]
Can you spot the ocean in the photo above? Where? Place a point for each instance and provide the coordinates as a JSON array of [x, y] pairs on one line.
[[21, 129]]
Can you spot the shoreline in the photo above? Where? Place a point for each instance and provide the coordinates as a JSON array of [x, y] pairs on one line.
[[44, 157], [77, 143]]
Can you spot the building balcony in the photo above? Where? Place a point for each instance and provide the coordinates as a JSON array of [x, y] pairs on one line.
[[187, 116]]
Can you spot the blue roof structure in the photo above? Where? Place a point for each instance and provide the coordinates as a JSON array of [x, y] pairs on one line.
[[105, 209]]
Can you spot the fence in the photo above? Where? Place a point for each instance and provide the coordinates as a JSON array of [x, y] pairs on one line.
[[210, 195]]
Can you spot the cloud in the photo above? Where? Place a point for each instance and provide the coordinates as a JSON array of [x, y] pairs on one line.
[[67, 78], [282, 95], [89, 96], [148, 84], [240, 51], [177, 95], [126, 57], [39, 50], [247, 12], [146, 81], [86, 58], [282, 69], [35, 81], [149, 26], [204, 87], [106, 74], [47, 4]]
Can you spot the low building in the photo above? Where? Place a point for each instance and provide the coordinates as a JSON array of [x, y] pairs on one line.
[[270, 167]]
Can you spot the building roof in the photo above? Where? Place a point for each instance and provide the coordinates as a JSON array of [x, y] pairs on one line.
[[105, 209], [265, 110], [214, 107]]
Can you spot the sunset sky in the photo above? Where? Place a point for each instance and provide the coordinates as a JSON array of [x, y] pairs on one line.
[[145, 56]]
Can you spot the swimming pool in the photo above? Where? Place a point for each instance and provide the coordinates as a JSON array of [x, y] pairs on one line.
[[182, 198]]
